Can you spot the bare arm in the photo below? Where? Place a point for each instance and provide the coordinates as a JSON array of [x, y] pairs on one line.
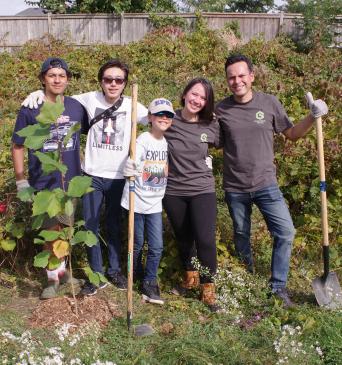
[[300, 129], [18, 152]]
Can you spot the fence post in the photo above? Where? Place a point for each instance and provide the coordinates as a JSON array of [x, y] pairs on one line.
[[281, 23], [49, 23], [121, 27]]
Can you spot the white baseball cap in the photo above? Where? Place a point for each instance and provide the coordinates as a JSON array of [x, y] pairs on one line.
[[161, 105]]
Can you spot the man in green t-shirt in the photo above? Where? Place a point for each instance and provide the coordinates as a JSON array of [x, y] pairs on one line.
[[248, 121]]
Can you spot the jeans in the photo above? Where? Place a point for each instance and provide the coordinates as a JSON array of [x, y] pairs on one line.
[[271, 203], [108, 191], [153, 225]]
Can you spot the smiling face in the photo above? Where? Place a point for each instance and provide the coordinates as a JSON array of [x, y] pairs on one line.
[[195, 99], [240, 80], [113, 83], [55, 81], [160, 123]]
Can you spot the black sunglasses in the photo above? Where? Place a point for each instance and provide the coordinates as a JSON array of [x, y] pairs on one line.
[[167, 114], [109, 80]]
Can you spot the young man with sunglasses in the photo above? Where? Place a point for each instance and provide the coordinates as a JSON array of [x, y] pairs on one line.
[[106, 153]]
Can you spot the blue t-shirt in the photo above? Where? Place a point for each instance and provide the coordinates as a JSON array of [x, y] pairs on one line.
[[73, 113]]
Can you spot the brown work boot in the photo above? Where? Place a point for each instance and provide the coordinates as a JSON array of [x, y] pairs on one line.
[[208, 297], [190, 281]]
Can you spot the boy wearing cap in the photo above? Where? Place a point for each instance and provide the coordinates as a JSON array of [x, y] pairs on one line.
[[151, 170], [54, 76]]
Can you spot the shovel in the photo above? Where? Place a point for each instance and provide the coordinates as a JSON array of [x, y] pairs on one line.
[[326, 288], [144, 329]]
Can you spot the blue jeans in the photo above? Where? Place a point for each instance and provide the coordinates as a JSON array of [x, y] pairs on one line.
[[153, 225], [271, 204], [108, 191]]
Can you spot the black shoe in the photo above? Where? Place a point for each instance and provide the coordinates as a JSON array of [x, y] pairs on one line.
[[118, 280], [283, 295], [151, 292], [90, 289]]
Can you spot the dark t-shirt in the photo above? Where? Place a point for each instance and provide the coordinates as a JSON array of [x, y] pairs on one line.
[[73, 113], [247, 132], [188, 144]]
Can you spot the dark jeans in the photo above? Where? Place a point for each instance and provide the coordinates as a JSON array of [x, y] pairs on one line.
[[153, 225], [271, 204], [193, 219], [108, 191]]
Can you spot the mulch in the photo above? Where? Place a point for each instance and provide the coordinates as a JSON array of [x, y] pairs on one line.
[[60, 310]]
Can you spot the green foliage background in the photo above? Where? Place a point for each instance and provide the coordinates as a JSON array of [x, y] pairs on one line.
[[163, 62]]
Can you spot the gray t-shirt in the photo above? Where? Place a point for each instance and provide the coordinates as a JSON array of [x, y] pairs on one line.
[[247, 132], [188, 144]]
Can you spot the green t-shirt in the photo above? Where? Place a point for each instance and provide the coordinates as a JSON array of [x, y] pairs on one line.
[[247, 132]]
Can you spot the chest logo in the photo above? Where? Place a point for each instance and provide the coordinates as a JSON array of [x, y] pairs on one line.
[[259, 117], [204, 137]]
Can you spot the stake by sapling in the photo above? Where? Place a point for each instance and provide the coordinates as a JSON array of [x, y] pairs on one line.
[[59, 201]]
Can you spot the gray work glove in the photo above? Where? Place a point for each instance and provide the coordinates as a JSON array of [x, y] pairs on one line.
[[318, 108], [131, 169], [209, 162], [22, 184], [32, 100]]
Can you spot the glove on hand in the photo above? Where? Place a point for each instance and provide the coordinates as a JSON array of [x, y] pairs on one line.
[[131, 169], [32, 100], [21, 185], [318, 108]]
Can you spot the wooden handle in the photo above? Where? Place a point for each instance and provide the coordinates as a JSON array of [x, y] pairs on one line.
[[131, 208], [323, 194]]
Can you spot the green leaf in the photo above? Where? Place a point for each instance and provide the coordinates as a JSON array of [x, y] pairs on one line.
[[16, 229], [54, 262], [79, 185], [49, 112], [50, 235], [39, 241], [50, 162], [46, 201], [37, 135], [26, 195], [86, 237], [76, 127], [69, 208], [38, 221], [7, 245], [42, 259]]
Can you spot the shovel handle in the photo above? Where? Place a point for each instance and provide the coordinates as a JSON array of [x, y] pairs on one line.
[[323, 195], [131, 208]]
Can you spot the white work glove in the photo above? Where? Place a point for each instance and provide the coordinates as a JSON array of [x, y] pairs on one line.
[[318, 108], [131, 169], [22, 184], [209, 162], [32, 100]]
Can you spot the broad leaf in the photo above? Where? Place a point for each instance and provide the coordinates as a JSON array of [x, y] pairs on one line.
[[49, 161], [38, 221], [86, 237], [60, 248], [79, 185], [54, 263], [46, 202], [50, 235], [39, 241], [69, 208], [26, 195], [7, 245], [16, 229], [76, 127], [49, 112], [42, 259], [68, 232], [37, 134]]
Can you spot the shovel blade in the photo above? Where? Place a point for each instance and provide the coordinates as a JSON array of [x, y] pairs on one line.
[[328, 291]]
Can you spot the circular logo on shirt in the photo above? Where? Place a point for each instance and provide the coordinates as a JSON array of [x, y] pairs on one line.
[[204, 137]]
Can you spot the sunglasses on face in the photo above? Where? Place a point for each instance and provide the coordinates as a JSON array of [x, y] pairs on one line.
[[167, 114], [109, 80]]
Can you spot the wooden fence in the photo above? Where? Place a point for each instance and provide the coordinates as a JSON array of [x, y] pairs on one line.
[[87, 29]]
